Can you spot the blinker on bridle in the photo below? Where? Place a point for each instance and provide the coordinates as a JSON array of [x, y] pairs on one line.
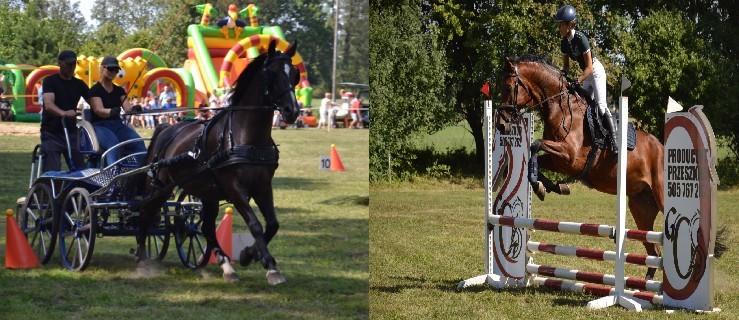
[[265, 75]]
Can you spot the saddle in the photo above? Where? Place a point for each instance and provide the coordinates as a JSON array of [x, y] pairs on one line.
[[598, 133]]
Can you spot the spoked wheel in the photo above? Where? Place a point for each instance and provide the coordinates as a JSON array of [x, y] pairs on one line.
[[157, 245], [185, 224], [77, 228], [38, 221]]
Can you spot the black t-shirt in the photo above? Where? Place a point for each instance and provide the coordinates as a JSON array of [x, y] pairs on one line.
[[67, 94], [577, 48], [113, 99]]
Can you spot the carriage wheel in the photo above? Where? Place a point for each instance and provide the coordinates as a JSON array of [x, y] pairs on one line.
[[77, 228], [37, 219], [157, 245], [189, 240]]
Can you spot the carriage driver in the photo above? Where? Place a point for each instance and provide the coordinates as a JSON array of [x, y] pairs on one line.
[[575, 46], [106, 101]]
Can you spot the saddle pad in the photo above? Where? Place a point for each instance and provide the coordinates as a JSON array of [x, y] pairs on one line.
[[630, 133]]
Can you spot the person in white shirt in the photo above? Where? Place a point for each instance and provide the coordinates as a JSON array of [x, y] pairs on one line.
[[325, 111], [167, 93]]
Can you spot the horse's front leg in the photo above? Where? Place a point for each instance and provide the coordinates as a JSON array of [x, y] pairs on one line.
[[209, 215], [539, 182], [259, 250]]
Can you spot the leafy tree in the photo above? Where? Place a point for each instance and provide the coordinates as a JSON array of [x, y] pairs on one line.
[[353, 43], [408, 85], [309, 22], [664, 57], [478, 36]]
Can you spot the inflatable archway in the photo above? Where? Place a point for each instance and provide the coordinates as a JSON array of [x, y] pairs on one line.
[[262, 42]]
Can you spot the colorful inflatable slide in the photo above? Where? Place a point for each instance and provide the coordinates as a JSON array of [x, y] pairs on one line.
[[216, 56]]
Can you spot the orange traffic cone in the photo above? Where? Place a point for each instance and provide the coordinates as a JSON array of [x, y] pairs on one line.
[[336, 164], [18, 253], [223, 234]]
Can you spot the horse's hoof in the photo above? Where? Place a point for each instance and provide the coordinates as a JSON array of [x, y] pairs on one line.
[[564, 189], [274, 277], [539, 190], [245, 257], [231, 278]]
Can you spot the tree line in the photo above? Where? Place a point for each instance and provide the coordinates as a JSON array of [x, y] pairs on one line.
[[34, 31], [683, 49]]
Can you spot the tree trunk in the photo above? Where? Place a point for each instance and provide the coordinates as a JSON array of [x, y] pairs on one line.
[[474, 119]]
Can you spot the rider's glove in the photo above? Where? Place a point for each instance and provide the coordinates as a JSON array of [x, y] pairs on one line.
[[115, 113]]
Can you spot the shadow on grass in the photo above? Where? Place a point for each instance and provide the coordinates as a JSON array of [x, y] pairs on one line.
[[292, 210], [419, 283], [347, 200], [295, 183]]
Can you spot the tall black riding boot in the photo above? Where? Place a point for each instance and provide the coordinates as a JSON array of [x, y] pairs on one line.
[[607, 120]]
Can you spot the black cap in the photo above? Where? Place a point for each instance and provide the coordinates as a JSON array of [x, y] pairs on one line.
[[67, 56], [110, 61]]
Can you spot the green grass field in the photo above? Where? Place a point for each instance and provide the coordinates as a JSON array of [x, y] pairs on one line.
[[427, 236], [321, 248]]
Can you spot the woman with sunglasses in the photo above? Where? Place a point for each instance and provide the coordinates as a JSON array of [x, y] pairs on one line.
[[107, 100]]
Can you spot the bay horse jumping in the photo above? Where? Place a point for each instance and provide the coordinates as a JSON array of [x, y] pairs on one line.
[[530, 82], [231, 157]]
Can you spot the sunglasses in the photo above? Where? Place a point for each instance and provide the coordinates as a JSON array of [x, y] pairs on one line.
[[113, 69]]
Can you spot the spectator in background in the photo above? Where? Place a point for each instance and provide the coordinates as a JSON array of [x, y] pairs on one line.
[[325, 111], [148, 118], [213, 102], [203, 112], [137, 120], [354, 112], [62, 91], [167, 93], [5, 113], [226, 99], [168, 117]]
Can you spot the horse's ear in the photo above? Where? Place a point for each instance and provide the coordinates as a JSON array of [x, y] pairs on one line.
[[272, 46], [291, 51], [509, 62]]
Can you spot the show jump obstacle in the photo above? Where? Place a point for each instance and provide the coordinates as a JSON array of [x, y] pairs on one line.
[[689, 227]]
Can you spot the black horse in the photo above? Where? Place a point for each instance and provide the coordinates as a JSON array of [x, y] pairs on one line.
[[231, 157]]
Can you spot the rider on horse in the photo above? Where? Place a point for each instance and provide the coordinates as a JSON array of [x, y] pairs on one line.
[[575, 45]]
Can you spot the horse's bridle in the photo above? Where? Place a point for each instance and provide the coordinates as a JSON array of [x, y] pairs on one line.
[[519, 110], [266, 81]]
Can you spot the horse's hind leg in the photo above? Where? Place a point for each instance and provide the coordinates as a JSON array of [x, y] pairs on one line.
[[644, 210], [259, 250], [209, 215]]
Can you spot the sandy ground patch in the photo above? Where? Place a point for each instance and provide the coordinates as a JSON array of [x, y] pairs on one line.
[[12, 129]]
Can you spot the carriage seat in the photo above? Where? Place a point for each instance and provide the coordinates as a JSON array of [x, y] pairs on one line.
[[87, 140]]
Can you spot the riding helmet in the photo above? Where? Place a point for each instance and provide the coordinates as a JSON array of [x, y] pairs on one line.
[[566, 14]]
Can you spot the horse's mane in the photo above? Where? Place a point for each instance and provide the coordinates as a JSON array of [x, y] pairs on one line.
[[543, 60], [246, 76]]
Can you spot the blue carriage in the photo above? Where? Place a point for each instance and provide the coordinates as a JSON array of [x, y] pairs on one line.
[[78, 206]]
